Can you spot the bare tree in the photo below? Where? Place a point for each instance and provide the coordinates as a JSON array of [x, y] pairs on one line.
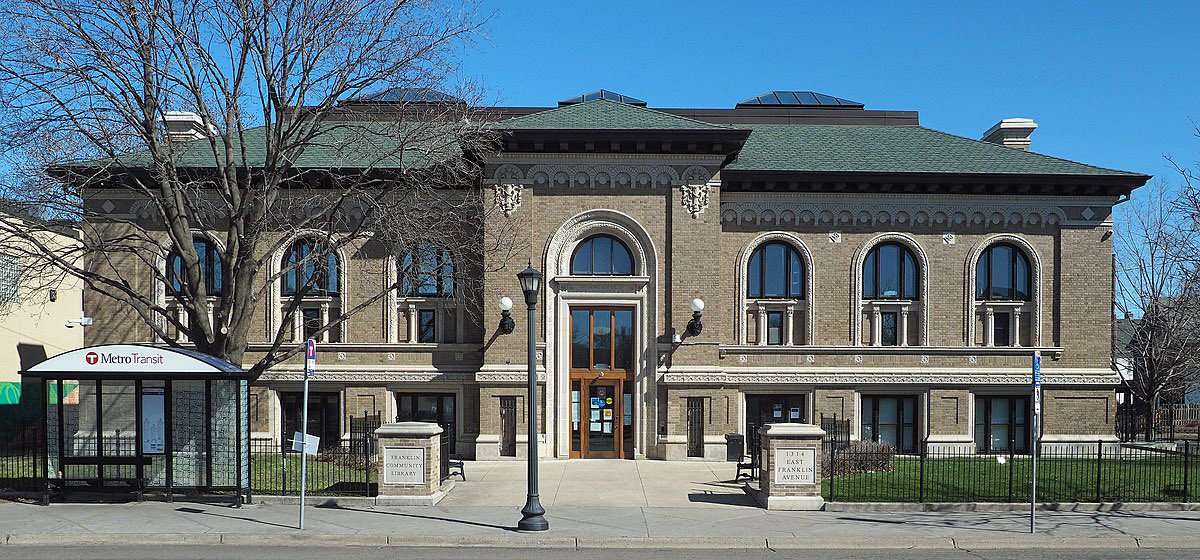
[[153, 123], [1158, 288]]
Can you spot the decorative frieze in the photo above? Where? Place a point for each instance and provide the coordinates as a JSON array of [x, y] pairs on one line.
[[891, 212], [884, 378]]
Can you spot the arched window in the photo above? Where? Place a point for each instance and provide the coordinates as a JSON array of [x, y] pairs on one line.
[[427, 272], [602, 255], [211, 268], [775, 271], [311, 268], [891, 272], [1003, 274]]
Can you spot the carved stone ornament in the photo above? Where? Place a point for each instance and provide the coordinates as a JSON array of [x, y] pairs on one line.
[[695, 198], [508, 197]]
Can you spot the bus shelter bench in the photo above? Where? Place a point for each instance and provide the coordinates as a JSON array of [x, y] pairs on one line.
[[100, 463]]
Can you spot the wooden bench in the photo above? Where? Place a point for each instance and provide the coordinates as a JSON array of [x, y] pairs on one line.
[[748, 467]]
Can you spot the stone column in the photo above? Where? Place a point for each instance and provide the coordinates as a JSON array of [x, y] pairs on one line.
[[790, 478], [411, 464]]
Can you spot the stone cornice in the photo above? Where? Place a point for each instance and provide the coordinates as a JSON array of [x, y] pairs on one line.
[[861, 378], [891, 212], [369, 377], [633, 159], [751, 350], [966, 199]]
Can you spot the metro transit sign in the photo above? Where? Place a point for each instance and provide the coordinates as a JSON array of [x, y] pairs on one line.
[[310, 357]]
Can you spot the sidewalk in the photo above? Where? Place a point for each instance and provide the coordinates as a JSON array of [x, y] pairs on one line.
[[575, 526]]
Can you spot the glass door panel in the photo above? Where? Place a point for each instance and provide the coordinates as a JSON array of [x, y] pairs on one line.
[[604, 419]]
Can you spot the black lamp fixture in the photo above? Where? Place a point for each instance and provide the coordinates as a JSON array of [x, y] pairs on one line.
[[506, 321], [531, 281], [533, 515], [695, 327]]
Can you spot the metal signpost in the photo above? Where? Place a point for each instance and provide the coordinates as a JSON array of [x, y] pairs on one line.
[[1037, 411], [310, 367]]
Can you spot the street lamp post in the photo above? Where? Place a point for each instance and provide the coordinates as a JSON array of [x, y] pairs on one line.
[[533, 514]]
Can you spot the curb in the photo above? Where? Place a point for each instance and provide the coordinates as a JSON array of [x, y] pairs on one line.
[[1015, 541], [1043, 542], [693, 543], [994, 507]]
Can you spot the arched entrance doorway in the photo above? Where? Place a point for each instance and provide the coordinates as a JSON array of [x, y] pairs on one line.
[[600, 318]]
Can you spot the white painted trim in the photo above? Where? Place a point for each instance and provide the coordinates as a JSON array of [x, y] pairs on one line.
[[556, 316], [741, 301], [857, 271], [275, 266], [1035, 277]]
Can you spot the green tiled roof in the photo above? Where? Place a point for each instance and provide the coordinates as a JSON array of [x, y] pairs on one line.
[[892, 149], [342, 144], [604, 114]]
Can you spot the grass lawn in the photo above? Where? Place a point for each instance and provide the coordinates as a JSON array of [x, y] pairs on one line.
[[326, 476], [966, 479]]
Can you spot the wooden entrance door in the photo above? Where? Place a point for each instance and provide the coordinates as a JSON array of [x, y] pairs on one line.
[[602, 358]]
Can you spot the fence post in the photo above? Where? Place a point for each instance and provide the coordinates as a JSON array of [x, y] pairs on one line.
[[1012, 447], [1187, 459], [366, 445], [832, 469], [283, 455], [1099, 467], [924, 450]]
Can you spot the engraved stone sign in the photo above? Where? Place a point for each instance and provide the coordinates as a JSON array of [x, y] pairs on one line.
[[795, 466], [403, 465]]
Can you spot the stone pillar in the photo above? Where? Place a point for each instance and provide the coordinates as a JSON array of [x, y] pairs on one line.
[[791, 467], [411, 464]]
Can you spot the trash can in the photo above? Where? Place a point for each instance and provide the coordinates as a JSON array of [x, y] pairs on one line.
[[735, 445]]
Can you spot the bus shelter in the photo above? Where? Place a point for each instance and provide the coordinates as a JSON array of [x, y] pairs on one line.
[[133, 418]]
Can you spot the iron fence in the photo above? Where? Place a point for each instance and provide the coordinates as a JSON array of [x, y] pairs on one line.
[[340, 468], [1103, 472], [346, 469], [22, 457]]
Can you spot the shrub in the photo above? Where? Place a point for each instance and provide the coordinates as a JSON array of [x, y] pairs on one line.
[[859, 457]]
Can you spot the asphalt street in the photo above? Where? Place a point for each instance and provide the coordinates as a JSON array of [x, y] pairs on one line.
[[220, 552]]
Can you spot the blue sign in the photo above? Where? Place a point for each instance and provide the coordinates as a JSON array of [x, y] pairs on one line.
[[1037, 368], [310, 358]]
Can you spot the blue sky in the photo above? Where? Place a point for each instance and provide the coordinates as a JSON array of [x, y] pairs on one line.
[[1109, 83]]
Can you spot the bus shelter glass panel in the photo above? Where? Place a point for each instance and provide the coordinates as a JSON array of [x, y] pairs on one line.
[[53, 406], [154, 432], [189, 433], [79, 429], [118, 418], [223, 403]]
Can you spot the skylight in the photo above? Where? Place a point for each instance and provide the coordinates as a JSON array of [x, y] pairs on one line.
[[799, 99], [406, 95], [602, 94]]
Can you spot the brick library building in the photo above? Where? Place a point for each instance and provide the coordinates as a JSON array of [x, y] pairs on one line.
[[791, 257]]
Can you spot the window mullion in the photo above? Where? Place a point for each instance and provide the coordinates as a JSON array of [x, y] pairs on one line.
[[1012, 267], [612, 345]]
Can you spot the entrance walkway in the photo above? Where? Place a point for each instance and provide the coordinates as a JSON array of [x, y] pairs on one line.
[[602, 483]]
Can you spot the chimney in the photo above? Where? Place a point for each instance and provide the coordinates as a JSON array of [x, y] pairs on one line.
[[185, 125], [1013, 133]]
